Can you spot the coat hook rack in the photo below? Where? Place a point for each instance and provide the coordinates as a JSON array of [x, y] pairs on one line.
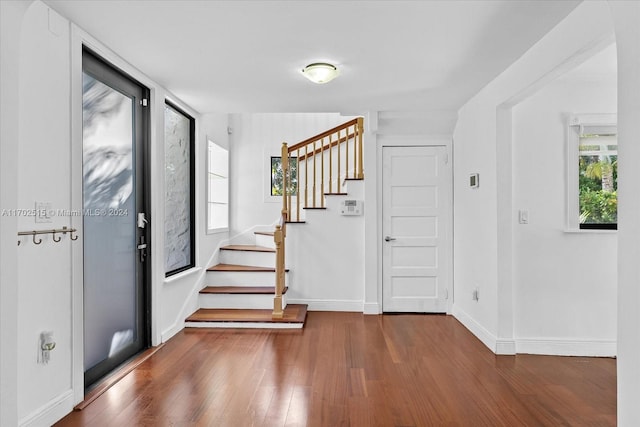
[[54, 231]]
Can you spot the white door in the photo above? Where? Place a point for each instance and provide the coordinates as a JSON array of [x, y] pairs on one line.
[[416, 211]]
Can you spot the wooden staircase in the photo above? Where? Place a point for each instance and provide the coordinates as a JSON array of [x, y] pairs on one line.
[[248, 288], [240, 291]]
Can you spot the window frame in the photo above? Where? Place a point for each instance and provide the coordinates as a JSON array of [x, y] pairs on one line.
[[576, 122], [213, 230], [192, 187]]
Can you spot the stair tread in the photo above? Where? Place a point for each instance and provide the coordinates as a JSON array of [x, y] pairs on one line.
[[268, 290], [315, 207], [247, 248], [296, 222], [236, 267], [264, 233], [354, 179], [336, 194], [293, 313]]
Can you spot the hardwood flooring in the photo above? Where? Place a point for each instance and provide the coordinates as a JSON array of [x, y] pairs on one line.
[[347, 369]]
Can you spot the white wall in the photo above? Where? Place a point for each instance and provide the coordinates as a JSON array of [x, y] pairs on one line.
[[44, 172], [564, 283], [326, 258], [255, 138], [626, 16], [11, 16], [41, 161], [482, 143]]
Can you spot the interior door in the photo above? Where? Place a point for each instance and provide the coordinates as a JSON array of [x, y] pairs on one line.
[[416, 211], [115, 129]]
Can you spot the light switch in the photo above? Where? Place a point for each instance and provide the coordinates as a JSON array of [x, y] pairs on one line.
[[523, 216]]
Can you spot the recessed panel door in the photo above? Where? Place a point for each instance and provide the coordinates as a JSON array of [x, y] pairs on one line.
[[415, 215]]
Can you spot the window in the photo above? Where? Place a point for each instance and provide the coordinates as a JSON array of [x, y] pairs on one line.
[[218, 188], [179, 212], [277, 178], [594, 152]]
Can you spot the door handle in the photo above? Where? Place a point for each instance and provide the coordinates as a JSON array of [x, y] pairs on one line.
[[389, 238], [142, 247]]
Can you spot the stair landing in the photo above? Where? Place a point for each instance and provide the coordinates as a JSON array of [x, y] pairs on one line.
[[294, 318]]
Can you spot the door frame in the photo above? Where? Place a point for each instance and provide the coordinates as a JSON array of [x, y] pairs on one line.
[[79, 40], [393, 140]]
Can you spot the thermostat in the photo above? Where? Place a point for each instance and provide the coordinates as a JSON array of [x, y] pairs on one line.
[[351, 207]]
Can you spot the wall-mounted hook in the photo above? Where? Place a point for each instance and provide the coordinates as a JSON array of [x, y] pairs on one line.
[[54, 237], [71, 235], [34, 238]]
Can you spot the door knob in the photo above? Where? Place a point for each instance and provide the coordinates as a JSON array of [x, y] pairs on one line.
[[389, 238]]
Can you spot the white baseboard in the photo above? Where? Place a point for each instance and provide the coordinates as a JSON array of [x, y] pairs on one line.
[[371, 308], [50, 412], [498, 346], [566, 347], [330, 304]]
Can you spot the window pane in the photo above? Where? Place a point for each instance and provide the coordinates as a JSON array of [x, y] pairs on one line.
[[218, 187], [277, 177], [598, 179], [178, 190], [218, 215], [219, 190]]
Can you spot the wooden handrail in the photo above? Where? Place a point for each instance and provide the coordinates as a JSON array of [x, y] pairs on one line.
[[324, 134], [327, 146]]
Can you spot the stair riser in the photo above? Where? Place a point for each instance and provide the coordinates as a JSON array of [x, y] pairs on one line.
[[243, 301], [266, 241], [258, 259], [241, 278]]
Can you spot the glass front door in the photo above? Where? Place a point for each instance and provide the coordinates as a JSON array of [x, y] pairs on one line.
[[114, 137]]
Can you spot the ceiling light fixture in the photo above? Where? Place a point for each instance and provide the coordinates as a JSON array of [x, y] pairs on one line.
[[320, 72]]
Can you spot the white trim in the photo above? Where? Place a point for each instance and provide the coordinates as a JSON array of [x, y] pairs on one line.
[[330, 304], [181, 275], [505, 347], [589, 231], [475, 328], [371, 308], [50, 412], [567, 347]]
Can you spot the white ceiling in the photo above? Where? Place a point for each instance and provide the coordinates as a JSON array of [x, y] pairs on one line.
[[246, 56]]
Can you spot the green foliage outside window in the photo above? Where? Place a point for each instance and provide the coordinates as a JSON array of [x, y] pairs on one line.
[[598, 185], [277, 176]]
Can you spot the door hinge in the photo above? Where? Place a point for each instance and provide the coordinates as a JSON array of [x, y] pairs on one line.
[[144, 102], [446, 158], [446, 294]]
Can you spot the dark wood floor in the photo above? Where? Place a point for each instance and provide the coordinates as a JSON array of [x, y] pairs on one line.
[[347, 369]]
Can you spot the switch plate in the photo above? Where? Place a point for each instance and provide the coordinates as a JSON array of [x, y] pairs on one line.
[[43, 212], [523, 216]]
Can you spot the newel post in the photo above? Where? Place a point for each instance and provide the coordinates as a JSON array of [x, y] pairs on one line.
[[277, 300]]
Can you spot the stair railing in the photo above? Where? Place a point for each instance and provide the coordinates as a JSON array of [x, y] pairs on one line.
[[312, 169]]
